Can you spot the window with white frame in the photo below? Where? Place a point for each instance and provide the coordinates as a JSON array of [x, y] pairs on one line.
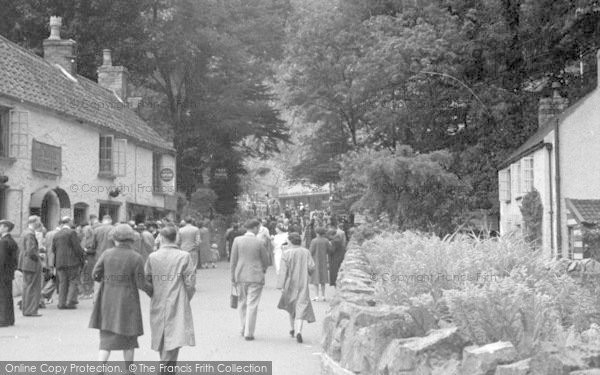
[[527, 170], [14, 135], [504, 185], [106, 154], [120, 157], [112, 157]]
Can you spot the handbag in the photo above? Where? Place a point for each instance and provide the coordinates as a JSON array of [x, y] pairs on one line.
[[233, 298]]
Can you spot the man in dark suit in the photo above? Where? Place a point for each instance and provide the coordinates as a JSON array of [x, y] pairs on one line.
[[69, 259], [8, 263], [31, 266], [249, 262]]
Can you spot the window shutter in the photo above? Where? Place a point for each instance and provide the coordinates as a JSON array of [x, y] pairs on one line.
[[18, 134], [504, 185], [516, 181], [120, 157]]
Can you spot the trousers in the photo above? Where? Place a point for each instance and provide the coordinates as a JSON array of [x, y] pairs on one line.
[[32, 291], [68, 285], [248, 299]]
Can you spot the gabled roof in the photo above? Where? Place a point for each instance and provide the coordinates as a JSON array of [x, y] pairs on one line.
[[544, 129], [29, 78], [586, 211]]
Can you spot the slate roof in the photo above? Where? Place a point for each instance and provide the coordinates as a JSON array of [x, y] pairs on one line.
[[27, 77], [585, 210]]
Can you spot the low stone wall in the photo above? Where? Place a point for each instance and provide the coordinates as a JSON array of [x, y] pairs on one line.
[[362, 336], [357, 330]]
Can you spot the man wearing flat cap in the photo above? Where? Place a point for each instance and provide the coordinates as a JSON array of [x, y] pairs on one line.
[[69, 258], [8, 263], [117, 313]]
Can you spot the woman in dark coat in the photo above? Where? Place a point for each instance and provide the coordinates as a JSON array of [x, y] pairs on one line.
[[320, 248], [336, 256], [309, 233], [117, 313]]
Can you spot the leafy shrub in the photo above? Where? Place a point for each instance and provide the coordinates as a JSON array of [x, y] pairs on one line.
[[533, 212], [493, 289], [409, 264]]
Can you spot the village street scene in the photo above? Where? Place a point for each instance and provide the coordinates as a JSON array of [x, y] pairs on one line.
[[332, 187]]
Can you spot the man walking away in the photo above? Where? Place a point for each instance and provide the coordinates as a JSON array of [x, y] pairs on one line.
[[87, 282], [101, 241], [249, 262], [190, 239], [31, 266], [69, 258], [204, 251], [9, 252], [170, 311]]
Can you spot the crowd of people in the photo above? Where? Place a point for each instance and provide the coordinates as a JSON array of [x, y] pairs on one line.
[[111, 263], [304, 250]]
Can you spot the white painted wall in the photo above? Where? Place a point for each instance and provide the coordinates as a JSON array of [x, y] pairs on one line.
[[80, 150], [580, 156]]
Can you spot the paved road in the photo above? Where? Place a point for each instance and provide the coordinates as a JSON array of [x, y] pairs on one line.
[[63, 334]]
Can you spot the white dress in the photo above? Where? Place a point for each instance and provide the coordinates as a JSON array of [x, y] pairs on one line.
[[278, 240]]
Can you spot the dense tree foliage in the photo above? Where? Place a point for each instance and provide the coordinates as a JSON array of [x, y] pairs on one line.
[[201, 65], [463, 76]]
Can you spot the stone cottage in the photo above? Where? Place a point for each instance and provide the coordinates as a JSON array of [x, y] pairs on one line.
[[71, 146]]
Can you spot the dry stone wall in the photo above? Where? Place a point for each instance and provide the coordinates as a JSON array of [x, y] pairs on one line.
[[363, 336]]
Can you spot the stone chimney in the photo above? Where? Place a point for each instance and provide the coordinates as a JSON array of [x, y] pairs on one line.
[[112, 77], [60, 51], [551, 106]]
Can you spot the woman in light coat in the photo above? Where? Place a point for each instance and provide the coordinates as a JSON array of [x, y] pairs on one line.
[[296, 266]]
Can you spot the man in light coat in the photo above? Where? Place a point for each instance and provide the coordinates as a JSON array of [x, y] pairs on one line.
[[31, 266], [249, 262], [172, 275], [189, 239]]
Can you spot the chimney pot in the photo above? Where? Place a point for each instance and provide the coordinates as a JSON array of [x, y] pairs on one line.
[[106, 57], [55, 25], [60, 51]]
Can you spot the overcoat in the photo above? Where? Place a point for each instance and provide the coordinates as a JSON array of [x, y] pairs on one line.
[[8, 264], [172, 275], [296, 266], [117, 306], [320, 248], [204, 247], [336, 257]]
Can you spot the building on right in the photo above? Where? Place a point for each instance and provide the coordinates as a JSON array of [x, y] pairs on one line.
[[562, 162]]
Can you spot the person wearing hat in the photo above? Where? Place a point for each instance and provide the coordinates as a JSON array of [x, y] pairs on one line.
[[117, 313], [171, 318], [8, 264], [69, 258]]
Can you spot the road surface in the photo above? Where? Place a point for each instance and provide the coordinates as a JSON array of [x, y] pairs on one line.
[[63, 334]]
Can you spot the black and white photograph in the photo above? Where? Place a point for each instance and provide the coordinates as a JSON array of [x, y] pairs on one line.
[[300, 187]]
